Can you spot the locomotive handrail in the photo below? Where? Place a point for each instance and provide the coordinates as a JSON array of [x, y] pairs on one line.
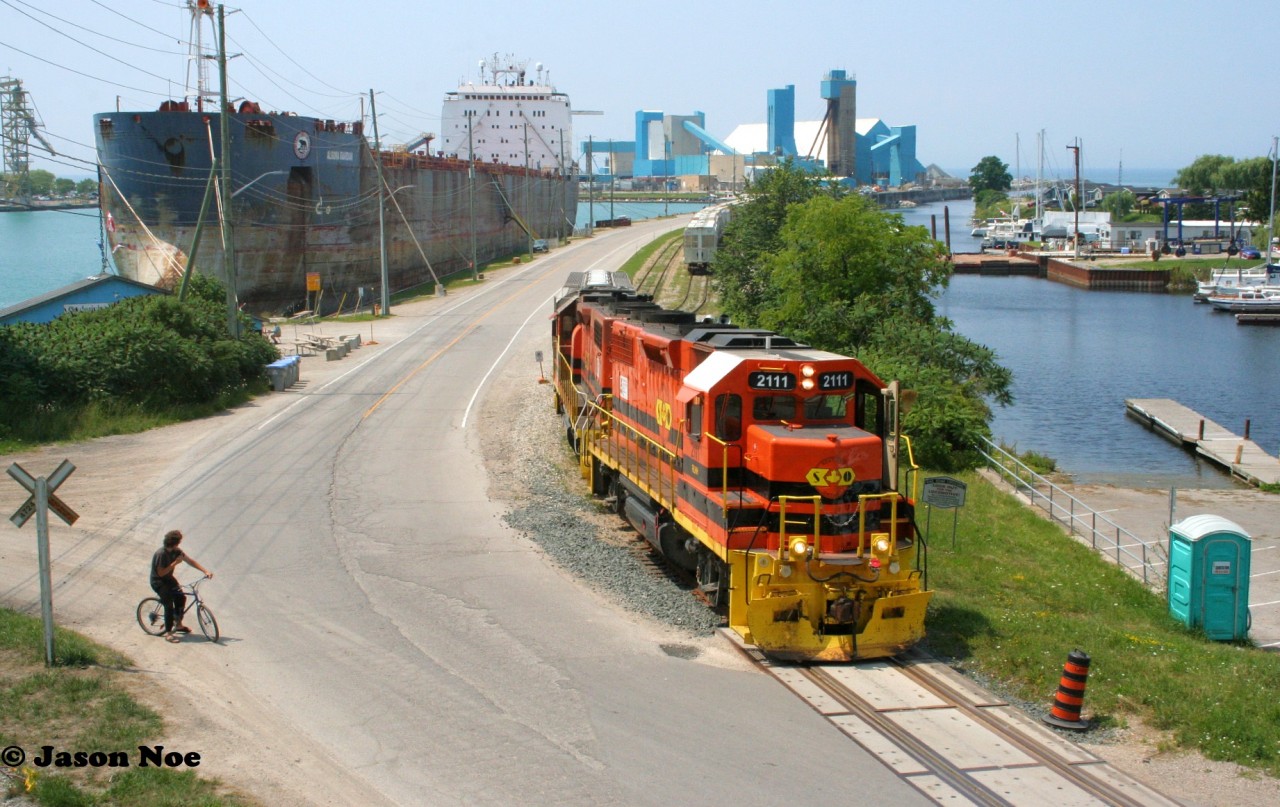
[[653, 477], [913, 471], [724, 474], [784, 546], [894, 497]]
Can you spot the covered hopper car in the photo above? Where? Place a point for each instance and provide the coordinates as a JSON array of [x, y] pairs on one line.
[[767, 469]]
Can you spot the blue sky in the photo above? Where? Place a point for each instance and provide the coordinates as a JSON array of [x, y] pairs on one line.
[[1152, 84]]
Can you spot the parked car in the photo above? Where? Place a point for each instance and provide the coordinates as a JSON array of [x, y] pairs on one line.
[[1250, 253], [540, 245]]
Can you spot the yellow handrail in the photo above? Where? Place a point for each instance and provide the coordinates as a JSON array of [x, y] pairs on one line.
[[784, 545]]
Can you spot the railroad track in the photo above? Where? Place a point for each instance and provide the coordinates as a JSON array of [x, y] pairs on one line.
[[950, 739]]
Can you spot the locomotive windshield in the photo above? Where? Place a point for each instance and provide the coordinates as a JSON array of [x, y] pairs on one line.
[[816, 408]]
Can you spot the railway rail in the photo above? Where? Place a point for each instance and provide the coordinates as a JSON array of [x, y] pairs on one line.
[[952, 740]]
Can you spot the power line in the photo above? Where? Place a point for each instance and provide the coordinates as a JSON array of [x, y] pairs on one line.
[[84, 28], [80, 72]]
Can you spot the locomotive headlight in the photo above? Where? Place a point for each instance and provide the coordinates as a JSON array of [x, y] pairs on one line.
[[799, 548], [806, 384], [882, 545], [807, 370]]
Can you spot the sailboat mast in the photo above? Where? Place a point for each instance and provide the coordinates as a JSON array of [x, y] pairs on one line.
[[1271, 222]]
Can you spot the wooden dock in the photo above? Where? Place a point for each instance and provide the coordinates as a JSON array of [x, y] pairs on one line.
[[1258, 319], [1242, 458]]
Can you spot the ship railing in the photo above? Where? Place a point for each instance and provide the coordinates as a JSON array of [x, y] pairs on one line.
[[1143, 559]]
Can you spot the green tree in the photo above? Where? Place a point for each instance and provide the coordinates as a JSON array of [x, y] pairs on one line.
[[41, 181], [1119, 204], [63, 186], [753, 232], [845, 276], [87, 186], [990, 174], [990, 204], [1204, 177]]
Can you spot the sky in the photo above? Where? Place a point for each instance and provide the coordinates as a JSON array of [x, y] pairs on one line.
[[1146, 85]]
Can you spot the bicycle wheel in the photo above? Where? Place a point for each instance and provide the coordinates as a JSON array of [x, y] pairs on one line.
[[208, 625], [151, 616]]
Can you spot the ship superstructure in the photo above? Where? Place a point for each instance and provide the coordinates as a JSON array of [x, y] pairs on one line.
[[509, 117]]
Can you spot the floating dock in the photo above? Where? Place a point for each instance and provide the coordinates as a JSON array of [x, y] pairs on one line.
[[1258, 319], [1241, 457], [992, 263]]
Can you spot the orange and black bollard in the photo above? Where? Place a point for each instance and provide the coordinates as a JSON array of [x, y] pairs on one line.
[[1065, 713]]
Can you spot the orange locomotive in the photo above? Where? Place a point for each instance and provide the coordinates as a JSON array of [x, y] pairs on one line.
[[766, 468]]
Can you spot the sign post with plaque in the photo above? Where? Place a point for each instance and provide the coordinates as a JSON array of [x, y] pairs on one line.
[[945, 493]]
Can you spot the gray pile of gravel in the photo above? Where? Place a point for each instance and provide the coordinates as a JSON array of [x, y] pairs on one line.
[[552, 507]]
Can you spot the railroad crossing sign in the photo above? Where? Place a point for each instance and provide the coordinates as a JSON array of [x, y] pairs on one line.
[[38, 504], [28, 508]]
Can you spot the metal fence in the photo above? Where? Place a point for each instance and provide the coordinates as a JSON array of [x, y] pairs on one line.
[[1145, 560]]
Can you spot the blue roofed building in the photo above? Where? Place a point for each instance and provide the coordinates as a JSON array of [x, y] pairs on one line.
[[98, 291]]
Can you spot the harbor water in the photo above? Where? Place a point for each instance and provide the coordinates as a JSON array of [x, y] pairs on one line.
[[1076, 355]]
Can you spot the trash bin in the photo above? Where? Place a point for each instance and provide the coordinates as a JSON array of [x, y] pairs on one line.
[[1209, 576]]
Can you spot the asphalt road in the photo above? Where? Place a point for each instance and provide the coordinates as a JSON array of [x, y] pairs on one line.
[[388, 638]]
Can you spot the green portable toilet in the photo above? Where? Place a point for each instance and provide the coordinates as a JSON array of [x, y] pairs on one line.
[[1209, 576]]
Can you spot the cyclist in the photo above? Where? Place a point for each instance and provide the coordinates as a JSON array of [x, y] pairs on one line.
[[166, 586]]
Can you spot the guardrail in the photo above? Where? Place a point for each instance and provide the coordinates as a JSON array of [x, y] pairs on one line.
[[1145, 560]]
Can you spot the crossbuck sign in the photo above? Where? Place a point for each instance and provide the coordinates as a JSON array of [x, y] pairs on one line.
[[38, 504]]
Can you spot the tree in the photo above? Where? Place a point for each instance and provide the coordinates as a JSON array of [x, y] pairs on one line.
[[990, 204], [41, 181], [63, 186], [753, 232], [1119, 204], [1204, 177], [86, 187], [990, 174], [845, 276]]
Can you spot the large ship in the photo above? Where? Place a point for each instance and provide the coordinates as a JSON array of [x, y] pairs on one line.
[[304, 191]]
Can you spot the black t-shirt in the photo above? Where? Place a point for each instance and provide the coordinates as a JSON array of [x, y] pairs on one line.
[[162, 558]]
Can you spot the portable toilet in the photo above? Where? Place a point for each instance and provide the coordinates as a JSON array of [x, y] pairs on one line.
[[1209, 576]]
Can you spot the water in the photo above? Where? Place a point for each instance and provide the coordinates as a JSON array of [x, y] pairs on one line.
[[636, 211], [45, 250]]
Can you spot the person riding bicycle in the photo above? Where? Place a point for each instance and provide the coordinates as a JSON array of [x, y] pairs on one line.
[[166, 586]]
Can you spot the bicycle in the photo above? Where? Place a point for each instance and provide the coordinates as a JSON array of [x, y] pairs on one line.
[[151, 612]]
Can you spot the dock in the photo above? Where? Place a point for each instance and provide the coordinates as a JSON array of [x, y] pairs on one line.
[[1239, 456], [997, 264], [1258, 319]]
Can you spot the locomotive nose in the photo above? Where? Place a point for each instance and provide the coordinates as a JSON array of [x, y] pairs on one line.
[[829, 460]]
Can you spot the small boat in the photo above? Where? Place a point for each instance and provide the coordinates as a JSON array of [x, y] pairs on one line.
[[1263, 300], [1223, 282]]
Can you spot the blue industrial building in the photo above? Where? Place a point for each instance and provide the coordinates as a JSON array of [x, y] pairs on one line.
[[99, 291], [865, 151]]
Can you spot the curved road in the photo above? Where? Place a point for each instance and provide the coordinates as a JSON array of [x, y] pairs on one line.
[[388, 638]]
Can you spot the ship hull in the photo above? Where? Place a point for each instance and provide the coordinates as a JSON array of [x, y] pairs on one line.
[[304, 201]]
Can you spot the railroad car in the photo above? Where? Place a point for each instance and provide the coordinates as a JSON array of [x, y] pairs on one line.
[[767, 469], [702, 237]]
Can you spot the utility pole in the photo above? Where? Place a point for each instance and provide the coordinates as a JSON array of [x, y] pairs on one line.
[[471, 192], [528, 225], [1271, 221], [613, 180], [224, 132], [1075, 149], [591, 188], [384, 279]]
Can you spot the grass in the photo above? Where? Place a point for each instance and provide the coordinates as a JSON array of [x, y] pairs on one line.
[[83, 703], [27, 430], [637, 261], [1016, 596]]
